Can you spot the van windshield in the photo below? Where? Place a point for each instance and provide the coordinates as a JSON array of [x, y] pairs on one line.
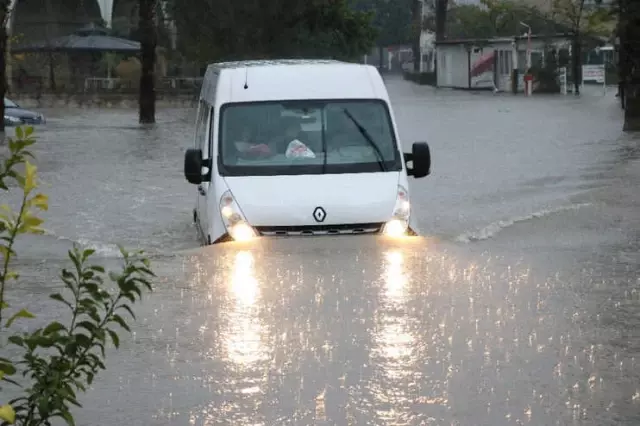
[[306, 137]]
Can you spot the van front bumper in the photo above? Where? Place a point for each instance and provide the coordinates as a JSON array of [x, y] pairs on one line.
[[317, 230]]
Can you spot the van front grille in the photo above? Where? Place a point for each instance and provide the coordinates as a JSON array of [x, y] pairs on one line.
[[313, 230]]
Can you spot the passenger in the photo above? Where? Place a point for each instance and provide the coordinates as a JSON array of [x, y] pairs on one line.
[[246, 145]]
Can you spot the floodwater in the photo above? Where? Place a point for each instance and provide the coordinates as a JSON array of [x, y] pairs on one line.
[[520, 305]]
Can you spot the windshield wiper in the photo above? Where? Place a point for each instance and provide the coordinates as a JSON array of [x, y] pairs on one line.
[[368, 138]]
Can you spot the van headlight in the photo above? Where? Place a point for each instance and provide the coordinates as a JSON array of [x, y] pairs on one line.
[[234, 220], [398, 225]]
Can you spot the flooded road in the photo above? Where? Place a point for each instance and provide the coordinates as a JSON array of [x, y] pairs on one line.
[[520, 305]]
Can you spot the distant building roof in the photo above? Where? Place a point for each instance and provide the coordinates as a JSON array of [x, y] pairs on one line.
[[501, 39]]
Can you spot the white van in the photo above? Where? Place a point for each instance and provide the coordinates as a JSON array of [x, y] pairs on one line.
[[299, 147]]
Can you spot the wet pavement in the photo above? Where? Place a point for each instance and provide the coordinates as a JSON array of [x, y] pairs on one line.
[[520, 305]]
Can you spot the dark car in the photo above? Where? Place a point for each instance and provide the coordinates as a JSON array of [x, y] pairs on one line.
[[16, 116]]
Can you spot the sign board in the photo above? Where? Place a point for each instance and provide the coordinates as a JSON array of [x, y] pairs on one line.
[[482, 70], [593, 73]]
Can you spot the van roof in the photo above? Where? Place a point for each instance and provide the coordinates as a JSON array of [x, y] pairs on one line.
[[271, 62], [290, 79]]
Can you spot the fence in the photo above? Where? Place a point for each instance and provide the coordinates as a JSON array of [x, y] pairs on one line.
[[96, 85], [564, 81], [590, 74]]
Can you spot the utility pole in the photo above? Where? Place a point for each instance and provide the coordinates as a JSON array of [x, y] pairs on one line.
[[528, 78]]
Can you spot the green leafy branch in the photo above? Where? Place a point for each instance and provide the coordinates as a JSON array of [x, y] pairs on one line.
[[59, 360]]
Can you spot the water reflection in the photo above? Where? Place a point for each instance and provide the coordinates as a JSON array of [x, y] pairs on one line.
[[243, 350], [391, 336], [244, 339], [395, 342]]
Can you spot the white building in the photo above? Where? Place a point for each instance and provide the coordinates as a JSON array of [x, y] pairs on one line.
[[490, 63]]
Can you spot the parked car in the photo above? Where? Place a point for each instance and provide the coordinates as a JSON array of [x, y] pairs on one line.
[[16, 116]]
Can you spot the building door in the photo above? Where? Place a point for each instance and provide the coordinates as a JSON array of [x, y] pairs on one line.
[[504, 69]]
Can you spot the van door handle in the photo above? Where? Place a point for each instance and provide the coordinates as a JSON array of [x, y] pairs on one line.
[[202, 190]]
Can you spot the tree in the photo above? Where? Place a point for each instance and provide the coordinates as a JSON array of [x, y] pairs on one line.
[[148, 44], [435, 19], [628, 12], [216, 30], [583, 19], [497, 18], [392, 21], [416, 30], [470, 21], [56, 362], [441, 8]]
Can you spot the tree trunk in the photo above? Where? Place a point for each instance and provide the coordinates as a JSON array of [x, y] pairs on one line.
[[416, 14], [3, 60], [52, 73], [380, 58], [148, 42], [576, 62], [624, 68], [632, 109], [441, 19], [629, 64]]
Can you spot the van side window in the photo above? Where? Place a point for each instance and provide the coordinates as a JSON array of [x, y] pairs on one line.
[[201, 127]]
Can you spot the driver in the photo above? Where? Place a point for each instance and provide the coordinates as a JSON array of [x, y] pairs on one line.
[[289, 130], [341, 132]]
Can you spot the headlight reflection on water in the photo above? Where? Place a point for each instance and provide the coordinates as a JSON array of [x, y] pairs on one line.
[[243, 339], [395, 342]]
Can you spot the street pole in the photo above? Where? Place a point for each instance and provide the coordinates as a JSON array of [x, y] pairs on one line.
[[528, 80]]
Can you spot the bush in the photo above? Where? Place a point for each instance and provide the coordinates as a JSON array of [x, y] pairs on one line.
[[62, 358], [423, 78], [547, 77], [547, 80]]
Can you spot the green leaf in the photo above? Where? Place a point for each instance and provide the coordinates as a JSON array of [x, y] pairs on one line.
[[7, 369], [54, 327], [97, 268], [16, 340], [128, 309], [89, 326], [83, 340], [58, 297], [39, 201], [118, 319], [87, 253], [114, 338], [19, 133], [44, 341], [30, 224], [7, 414], [67, 417], [30, 177], [22, 313]]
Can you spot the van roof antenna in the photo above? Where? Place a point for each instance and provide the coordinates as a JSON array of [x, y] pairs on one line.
[[246, 78]]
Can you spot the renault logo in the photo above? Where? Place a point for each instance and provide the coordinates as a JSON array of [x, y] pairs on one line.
[[319, 214]]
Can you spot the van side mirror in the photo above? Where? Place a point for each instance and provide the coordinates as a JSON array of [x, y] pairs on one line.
[[193, 166], [420, 157]]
